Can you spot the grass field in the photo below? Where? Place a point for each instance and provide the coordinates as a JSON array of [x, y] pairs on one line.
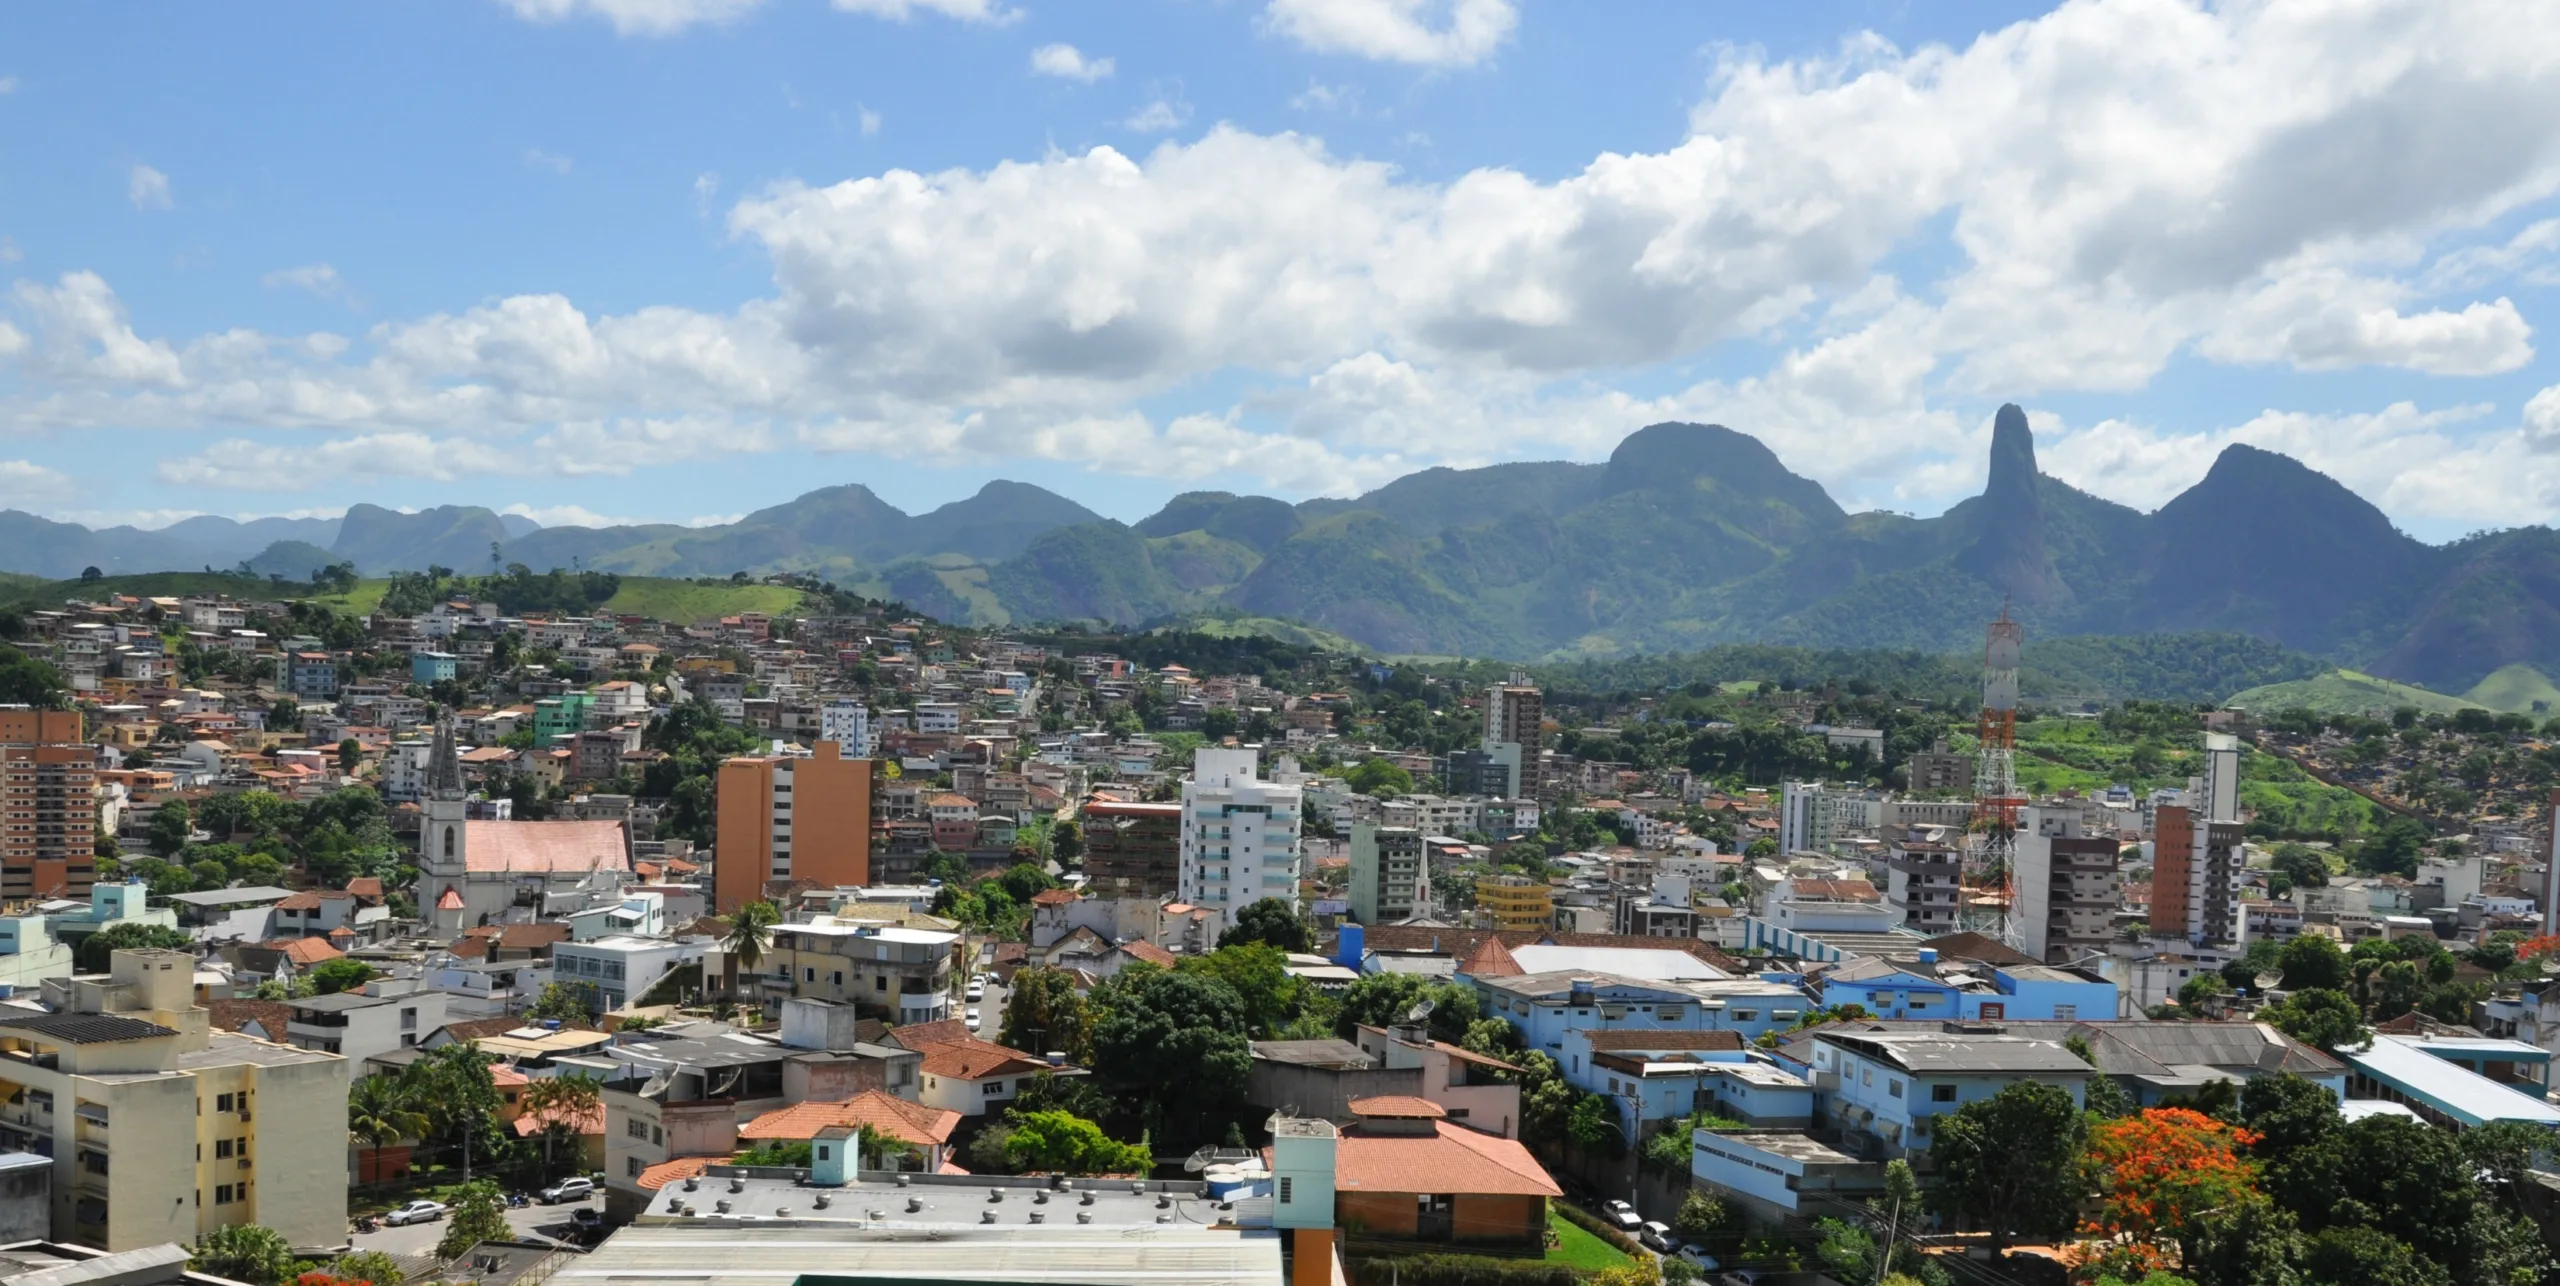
[[1579, 1250], [2080, 754], [685, 601], [1268, 627], [2517, 689], [27, 592], [2344, 692], [664, 599]]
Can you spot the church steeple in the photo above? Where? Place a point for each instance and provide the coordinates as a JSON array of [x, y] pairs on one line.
[[444, 765]]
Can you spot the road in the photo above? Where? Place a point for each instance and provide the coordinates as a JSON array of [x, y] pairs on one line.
[[547, 1223]]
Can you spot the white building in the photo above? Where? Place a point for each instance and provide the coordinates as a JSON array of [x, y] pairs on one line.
[[358, 1025], [614, 970], [1239, 834], [2066, 886], [847, 722]]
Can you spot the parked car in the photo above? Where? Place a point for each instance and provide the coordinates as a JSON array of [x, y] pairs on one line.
[[972, 1020], [976, 993], [1656, 1235], [416, 1212], [1696, 1256], [566, 1190], [587, 1219], [1622, 1215]]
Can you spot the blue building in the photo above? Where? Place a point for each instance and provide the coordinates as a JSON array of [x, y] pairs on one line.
[[2457, 1082], [1891, 1086], [1967, 990], [431, 668], [1545, 1007]]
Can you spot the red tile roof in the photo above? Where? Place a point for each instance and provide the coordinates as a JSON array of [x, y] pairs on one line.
[[1146, 952], [543, 846], [1491, 960], [1452, 1159], [1397, 1107], [1054, 897], [449, 900], [305, 951], [587, 1122], [923, 1036], [976, 1060], [666, 1172], [895, 1117]]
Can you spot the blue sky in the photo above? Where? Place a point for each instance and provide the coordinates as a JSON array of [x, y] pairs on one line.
[[679, 259]]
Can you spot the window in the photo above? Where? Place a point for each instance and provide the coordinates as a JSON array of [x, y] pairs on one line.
[[1893, 1088], [221, 1149], [657, 1135], [448, 841], [2066, 1013], [880, 984], [222, 1194], [1866, 1076], [1668, 1013], [1285, 1190], [1942, 1093], [836, 977], [222, 1102], [631, 1167], [1746, 1015], [638, 1128]]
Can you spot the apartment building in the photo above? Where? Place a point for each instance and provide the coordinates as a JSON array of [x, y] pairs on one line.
[[1514, 717], [1390, 880], [1920, 882], [361, 1025], [882, 970], [616, 969], [784, 817], [162, 1129], [1239, 834], [2197, 857], [48, 805], [2066, 886], [1516, 903], [847, 722]]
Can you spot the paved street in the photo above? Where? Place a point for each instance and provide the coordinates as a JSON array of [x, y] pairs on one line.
[[548, 1222]]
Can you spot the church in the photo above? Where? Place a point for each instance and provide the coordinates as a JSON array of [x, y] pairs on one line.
[[484, 872]]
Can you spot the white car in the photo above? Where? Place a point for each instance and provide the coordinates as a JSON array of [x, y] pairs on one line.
[[971, 1018], [976, 993], [1696, 1256], [416, 1212], [1656, 1236], [1622, 1215]]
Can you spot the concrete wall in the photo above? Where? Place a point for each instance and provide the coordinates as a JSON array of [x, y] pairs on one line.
[[1327, 1094]]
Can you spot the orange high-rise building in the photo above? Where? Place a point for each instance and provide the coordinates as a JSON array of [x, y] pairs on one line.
[[785, 818], [2173, 840], [48, 805]]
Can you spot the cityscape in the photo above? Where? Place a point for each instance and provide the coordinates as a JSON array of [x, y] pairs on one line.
[[1281, 643]]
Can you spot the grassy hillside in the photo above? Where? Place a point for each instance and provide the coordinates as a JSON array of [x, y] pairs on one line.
[[686, 602], [26, 593], [2344, 692], [1264, 627], [2517, 689]]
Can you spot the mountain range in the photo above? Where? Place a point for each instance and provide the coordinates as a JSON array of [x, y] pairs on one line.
[[1690, 535]]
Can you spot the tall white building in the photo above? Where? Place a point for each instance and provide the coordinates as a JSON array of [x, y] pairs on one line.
[[847, 722], [1239, 834], [2066, 885]]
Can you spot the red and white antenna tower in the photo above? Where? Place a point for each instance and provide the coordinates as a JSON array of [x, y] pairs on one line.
[[1996, 800]]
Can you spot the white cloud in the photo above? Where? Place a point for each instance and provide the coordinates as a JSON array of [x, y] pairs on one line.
[[147, 188], [318, 278], [1320, 97], [706, 186], [637, 17], [8, 85], [568, 516], [870, 121], [1066, 62], [1444, 33], [982, 11], [24, 483], [1158, 115], [537, 159]]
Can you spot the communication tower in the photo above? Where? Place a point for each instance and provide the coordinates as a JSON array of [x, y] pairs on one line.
[[1996, 800]]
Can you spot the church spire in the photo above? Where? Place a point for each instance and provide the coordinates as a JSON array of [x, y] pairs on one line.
[[444, 764]]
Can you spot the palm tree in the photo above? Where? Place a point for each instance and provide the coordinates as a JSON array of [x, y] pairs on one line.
[[381, 1110], [750, 933], [559, 1102]]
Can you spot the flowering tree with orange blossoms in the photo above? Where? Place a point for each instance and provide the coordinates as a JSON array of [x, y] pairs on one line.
[[2162, 1170], [2535, 948]]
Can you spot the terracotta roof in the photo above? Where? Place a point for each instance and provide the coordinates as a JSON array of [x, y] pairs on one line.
[[676, 1171], [305, 951], [528, 936], [1975, 946], [1452, 1159], [923, 1036], [1836, 890], [976, 1060], [450, 899], [469, 949], [1054, 897], [890, 1115], [307, 900], [590, 1121], [365, 886], [1491, 960], [1397, 1106], [543, 846], [507, 1077], [1605, 1041], [1145, 952], [233, 1015]]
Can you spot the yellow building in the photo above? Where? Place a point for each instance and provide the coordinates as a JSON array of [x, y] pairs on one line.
[[162, 1129], [1516, 903]]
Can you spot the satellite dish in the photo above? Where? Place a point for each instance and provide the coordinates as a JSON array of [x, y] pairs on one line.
[[2266, 980], [1421, 1011], [1199, 1161]]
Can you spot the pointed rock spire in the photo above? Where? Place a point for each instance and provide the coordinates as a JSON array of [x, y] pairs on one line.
[[2009, 546]]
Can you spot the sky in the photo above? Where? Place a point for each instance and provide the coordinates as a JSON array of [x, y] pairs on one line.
[[677, 260]]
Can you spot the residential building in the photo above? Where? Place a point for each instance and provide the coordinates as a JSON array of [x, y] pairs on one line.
[[783, 818], [1239, 834], [1390, 881], [359, 1025], [1938, 770], [2065, 886], [1650, 1076], [1921, 885], [1885, 1090], [847, 722], [1402, 1170], [614, 971], [427, 669], [1516, 903], [925, 1129], [880, 969], [2197, 859], [48, 805], [557, 717], [1548, 1007], [1514, 721], [1936, 986], [311, 676], [162, 1129]]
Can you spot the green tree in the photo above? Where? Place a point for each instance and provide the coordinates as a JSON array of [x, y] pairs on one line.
[[170, 828], [1058, 1143], [750, 936], [454, 1086], [1024, 881], [97, 951], [368, 1266], [562, 1002], [382, 1111], [1149, 1021], [2319, 1017], [2010, 1164], [246, 1252], [2358, 1256], [345, 973], [479, 1214], [350, 754], [562, 1104], [26, 681], [1260, 978], [2313, 961], [1272, 922], [1379, 777], [1044, 1012]]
